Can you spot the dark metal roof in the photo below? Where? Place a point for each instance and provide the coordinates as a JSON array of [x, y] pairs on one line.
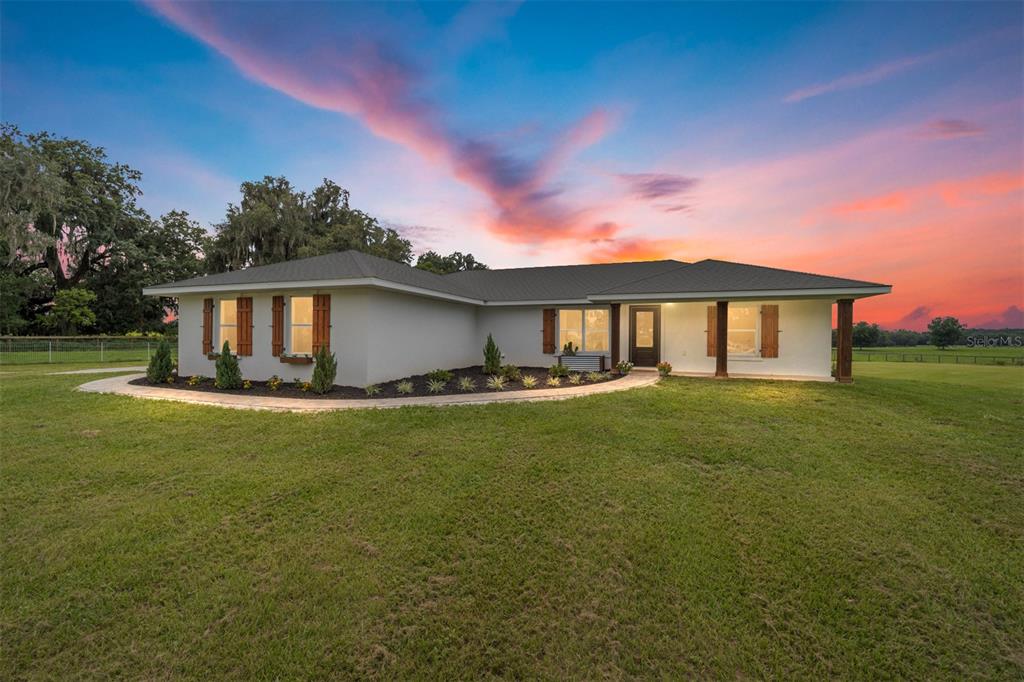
[[554, 283], [331, 266], [720, 275]]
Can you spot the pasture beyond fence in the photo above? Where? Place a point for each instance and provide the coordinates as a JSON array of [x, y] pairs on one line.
[[943, 358], [32, 350]]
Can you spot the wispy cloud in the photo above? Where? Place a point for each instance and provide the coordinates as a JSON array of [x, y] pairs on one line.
[[657, 185], [950, 129], [1011, 318], [915, 318], [373, 81], [859, 79]]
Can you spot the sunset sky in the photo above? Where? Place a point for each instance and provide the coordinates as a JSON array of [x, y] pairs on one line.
[[878, 141]]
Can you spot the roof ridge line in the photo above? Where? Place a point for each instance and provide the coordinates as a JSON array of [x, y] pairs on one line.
[[799, 272], [641, 279]]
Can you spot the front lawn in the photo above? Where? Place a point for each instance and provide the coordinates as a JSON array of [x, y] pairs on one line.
[[697, 528]]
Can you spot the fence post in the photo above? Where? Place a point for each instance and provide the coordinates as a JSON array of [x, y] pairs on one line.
[[49, 351], [101, 351], [148, 355]]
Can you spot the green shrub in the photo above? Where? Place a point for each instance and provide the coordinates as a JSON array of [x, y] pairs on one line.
[[247, 384], [529, 381], [511, 372], [558, 371], [467, 384], [160, 365], [435, 385], [372, 390], [496, 382], [404, 387], [554, 381], [274, 383], [324, 371], [595, 377], [575, 378], [440, 375], [492, 357], [229, 375], [195, 380]]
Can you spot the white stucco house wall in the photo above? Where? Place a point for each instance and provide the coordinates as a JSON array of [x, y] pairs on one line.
[[385, 320]]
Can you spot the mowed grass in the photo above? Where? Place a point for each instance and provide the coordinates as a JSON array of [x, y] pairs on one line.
[[698, 528]]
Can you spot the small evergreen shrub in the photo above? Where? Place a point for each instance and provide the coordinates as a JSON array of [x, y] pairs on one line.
[[161, 367], [229, 375], [324, 371], [558, 371], [404, 387], [511, 372], [492, 357], [529, 381], [440, 375], [467, 384]]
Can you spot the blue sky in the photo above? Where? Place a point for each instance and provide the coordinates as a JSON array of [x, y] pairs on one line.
[[869, 140]]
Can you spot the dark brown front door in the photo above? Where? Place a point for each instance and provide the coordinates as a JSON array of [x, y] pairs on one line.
[[645, 335]]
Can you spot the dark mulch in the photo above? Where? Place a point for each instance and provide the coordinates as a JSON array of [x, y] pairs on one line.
[[387, 390]]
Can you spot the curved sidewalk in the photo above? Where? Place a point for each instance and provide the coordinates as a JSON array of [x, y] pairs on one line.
[[119, 385]]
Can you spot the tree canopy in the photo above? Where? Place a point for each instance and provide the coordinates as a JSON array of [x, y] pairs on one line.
[[945, 331], [443, 265]]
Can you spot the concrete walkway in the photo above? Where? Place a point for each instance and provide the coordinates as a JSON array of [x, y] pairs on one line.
[[120, 386]]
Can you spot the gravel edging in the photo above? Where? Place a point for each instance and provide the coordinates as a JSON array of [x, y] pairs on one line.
[[120, 385]]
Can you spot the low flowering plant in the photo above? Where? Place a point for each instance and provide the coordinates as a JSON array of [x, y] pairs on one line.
[[664, 368], [624, 367]]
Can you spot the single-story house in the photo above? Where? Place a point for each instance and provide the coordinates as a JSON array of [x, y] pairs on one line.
[[386, 320]]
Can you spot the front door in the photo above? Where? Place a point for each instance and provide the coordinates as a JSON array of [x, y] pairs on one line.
[[645, 335]]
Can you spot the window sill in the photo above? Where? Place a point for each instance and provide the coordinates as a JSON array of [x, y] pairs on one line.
[[297, 359]]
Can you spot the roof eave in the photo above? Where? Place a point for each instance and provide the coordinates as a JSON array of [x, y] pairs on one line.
[[372, 282], [753, 294]]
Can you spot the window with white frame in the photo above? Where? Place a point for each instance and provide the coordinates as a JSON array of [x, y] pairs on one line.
[[228, 324], [743, 321], [587, 329], [300, 340]]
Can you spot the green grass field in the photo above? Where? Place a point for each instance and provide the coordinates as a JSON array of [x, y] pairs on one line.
[[698, 528], [954, 355]]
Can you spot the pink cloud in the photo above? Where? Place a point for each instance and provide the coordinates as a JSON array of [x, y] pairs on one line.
[[858, 79], [950, 129], [371, 82], [1011, 318]]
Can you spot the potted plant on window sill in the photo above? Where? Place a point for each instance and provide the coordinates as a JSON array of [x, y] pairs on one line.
[[296, 359]]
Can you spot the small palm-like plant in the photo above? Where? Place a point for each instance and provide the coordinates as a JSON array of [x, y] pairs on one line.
[[467, 384], [529, 381], [435, 385], [404, 387], [594, 377], [575, 378], [496, 382], [372, 390], [554, 382]]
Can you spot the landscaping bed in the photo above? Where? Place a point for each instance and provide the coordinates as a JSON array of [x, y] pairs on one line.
[[291, 389]]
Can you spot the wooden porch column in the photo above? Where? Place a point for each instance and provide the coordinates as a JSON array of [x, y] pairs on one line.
[[615, 333], [722, 340], [844, 340]]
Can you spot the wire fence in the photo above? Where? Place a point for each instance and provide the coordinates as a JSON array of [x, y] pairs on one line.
[[32, 350], [951, 358]]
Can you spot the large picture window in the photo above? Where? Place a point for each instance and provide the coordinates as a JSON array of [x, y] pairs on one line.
[[228, 326], [742, 330], [587, 329], [301, 336]]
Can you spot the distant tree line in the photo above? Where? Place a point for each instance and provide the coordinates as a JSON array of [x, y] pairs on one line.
[[77, 249], [942, 332]]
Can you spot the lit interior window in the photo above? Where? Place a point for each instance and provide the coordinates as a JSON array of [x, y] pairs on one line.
[[301, 325], [570, 328], [742, 330], [229, 324], [595, 335]]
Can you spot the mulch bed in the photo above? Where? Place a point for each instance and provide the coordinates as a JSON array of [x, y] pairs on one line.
[[387, 390]]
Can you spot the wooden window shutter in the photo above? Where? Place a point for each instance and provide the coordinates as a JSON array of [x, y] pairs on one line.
[[321, 322], [548, 335], [244, 307], [277, 326], [769, 331], [712, 330], [207, 326]]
